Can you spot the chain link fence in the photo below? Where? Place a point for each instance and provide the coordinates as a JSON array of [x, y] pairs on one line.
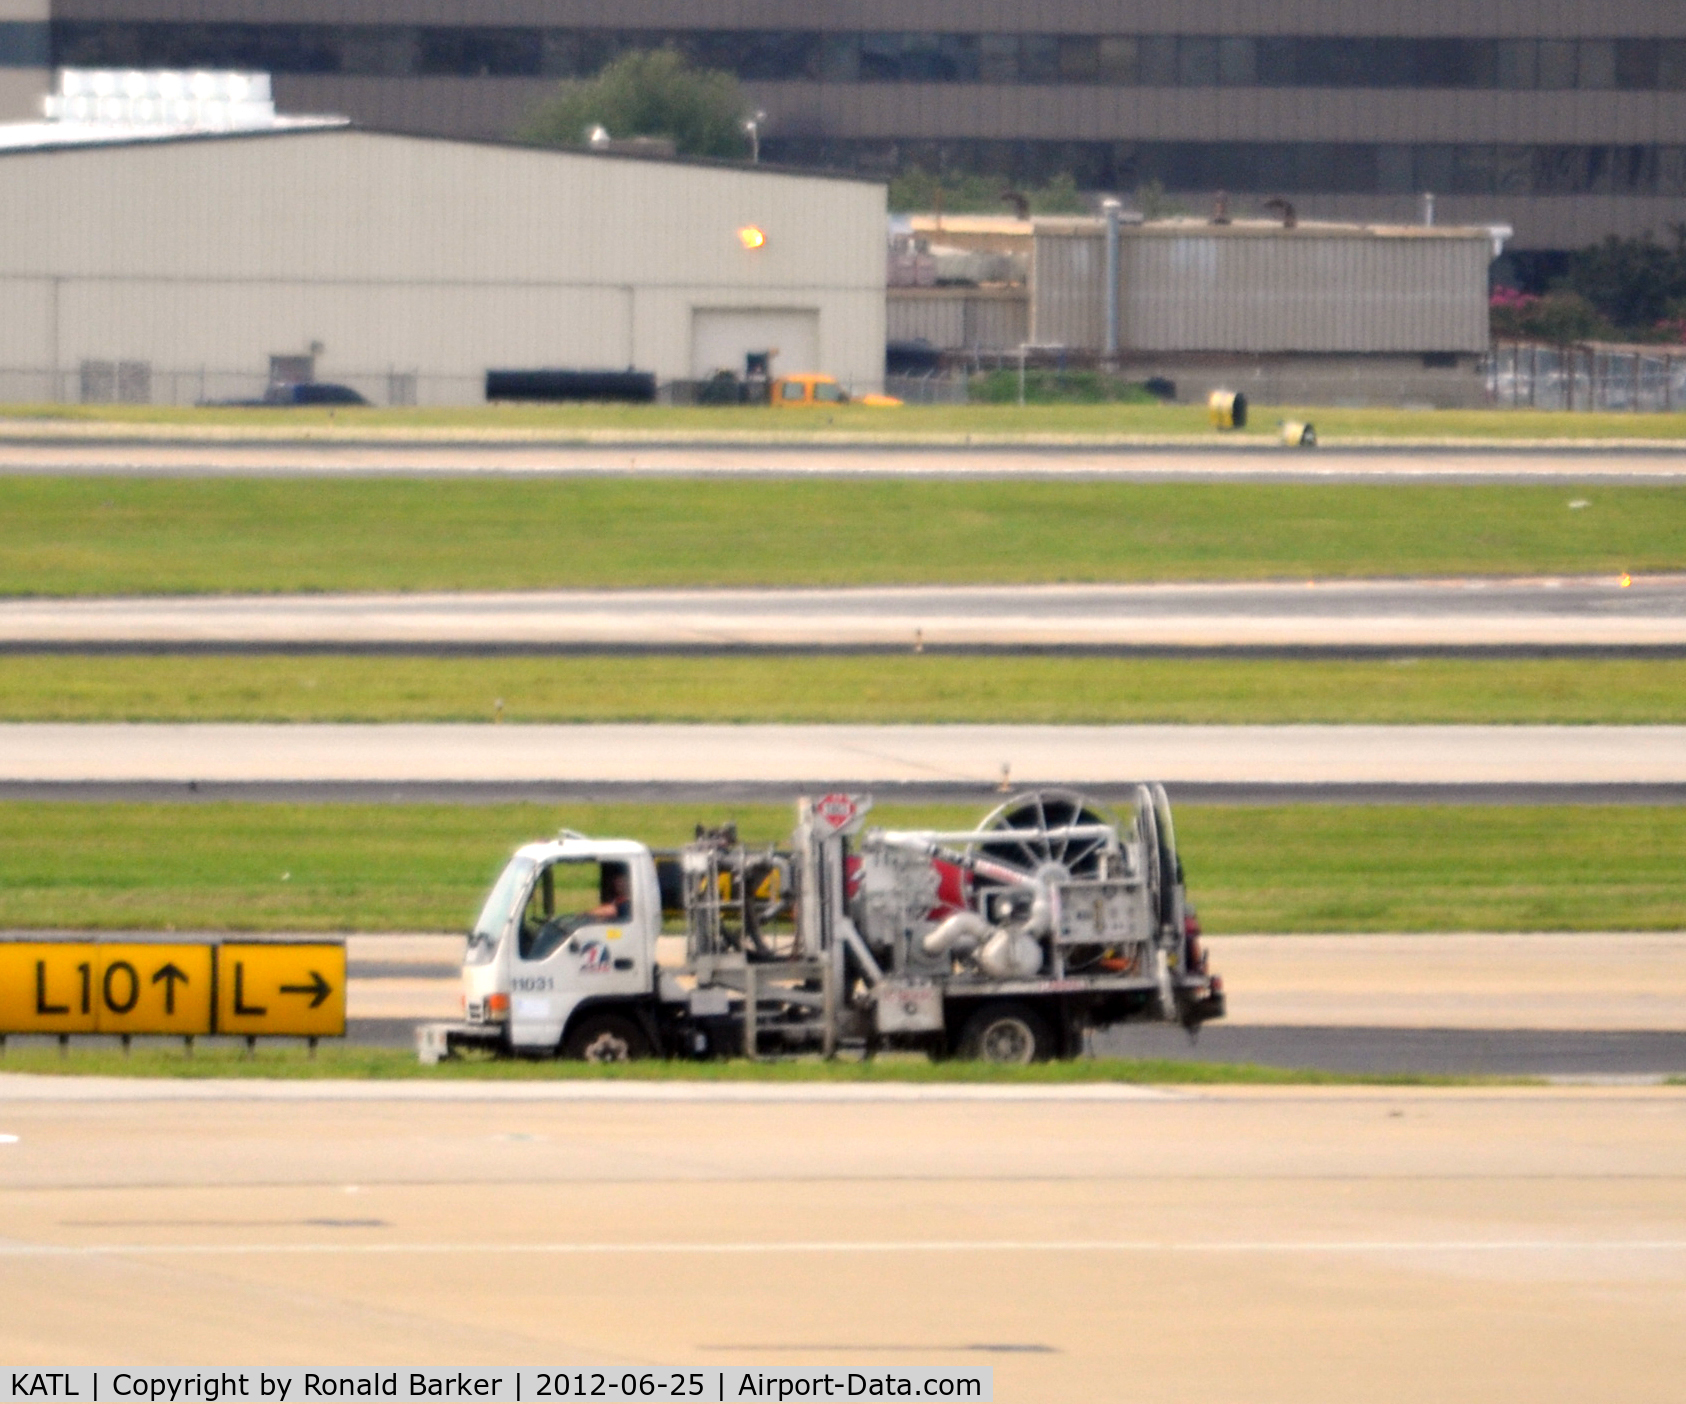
[[1640, 379], [141, 383]]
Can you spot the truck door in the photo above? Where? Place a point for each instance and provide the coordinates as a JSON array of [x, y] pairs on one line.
[[580, 938]]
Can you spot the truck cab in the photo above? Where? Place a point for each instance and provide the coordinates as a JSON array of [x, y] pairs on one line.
[[563, 952], [809, 390]]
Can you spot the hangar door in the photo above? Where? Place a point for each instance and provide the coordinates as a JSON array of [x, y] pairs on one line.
[[722, 336]]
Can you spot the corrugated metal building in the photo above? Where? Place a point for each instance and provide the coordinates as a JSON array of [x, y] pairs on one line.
[[1251, 286], [959, 319], [410, 265]]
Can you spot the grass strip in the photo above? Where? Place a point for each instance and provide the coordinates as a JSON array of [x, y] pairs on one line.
[[288, 1060], [422, 867], [117, 535], [945, 422], [929, 688]]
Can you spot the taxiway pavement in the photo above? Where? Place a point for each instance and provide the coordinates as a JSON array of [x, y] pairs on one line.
[[1541, 981], [1297, 1245], [71, 753], [1364, 616], [135, 450]]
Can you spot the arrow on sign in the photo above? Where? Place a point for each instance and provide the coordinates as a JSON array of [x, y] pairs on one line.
[[319, 988], [169, 975]]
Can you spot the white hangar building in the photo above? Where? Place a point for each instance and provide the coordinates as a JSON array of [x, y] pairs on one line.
[[173, 269]]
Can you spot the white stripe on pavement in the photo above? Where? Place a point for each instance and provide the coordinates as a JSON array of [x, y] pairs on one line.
[[853, 755], [1568, 611]]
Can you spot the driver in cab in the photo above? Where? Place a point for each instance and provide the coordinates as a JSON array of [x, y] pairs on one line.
[[616, 892]]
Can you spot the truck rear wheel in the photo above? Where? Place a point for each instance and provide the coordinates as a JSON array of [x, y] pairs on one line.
[[605, 1038], [1006, 1033]]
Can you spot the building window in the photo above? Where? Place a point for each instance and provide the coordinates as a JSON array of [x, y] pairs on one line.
[[998, 58], [1238, 64], [1597, 64], [388, 51], [1197, 63], [1039, 58], [1518, 63], [1261, 169], [1150, 60], [1671, 66], [1557, 63], [481, 53], [1156, 61]]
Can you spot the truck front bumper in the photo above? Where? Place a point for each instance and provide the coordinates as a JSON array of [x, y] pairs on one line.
[[437, 1041]]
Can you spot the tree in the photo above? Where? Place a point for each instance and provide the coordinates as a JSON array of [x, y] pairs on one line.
[[1631, 282], [916, 190], [649, 92], [1563, 318]]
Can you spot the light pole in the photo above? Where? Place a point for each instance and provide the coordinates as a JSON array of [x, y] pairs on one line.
[[752, 125], [1111, 208]]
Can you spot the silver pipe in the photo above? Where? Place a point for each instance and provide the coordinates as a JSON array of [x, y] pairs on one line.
[[913, 838]]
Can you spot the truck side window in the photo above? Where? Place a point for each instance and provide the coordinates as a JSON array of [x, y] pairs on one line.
[[572, 887], [793, 390]]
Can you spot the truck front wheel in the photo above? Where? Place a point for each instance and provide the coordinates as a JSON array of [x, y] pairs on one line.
[[1006, 1033], [605, 1038]]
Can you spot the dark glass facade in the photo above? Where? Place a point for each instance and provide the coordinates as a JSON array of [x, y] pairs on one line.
[[1317, 168], [1129, 60]]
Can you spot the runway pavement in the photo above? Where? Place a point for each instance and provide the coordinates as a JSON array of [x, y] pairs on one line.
[[1300, 1245], [62, 753], [98, 449], [1368, 615]]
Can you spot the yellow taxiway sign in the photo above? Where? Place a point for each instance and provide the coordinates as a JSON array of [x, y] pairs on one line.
[[248, 988], [275, 987], [91, 987]]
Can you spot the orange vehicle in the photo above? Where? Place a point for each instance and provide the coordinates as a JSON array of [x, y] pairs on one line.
[[809, 389]]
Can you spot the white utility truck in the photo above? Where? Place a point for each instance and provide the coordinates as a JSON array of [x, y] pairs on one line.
[[1007, 942]]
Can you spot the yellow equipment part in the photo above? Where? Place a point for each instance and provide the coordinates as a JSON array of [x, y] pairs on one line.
[[1227, 408]]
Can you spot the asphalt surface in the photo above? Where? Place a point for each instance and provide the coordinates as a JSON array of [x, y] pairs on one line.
[[1294, 1245], [96, 450], [801, 756], [1354, 616]]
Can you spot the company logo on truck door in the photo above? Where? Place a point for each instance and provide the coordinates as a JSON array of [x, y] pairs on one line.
[[594, 958]]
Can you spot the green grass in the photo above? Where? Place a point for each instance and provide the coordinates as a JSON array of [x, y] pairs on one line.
[[99, 535], [420, 867], [166, 1058], [895, 688], [911, 422]]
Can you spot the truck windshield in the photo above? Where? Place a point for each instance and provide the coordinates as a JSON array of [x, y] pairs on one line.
[[505, 900]]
